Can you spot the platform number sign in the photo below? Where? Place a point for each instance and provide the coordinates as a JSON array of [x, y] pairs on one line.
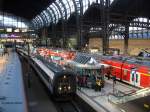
[[134, 77]]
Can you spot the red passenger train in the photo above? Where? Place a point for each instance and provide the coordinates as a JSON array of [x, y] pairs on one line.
[[130, 70]]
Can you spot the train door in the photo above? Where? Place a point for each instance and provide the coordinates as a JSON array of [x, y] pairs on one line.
[[135, 77]]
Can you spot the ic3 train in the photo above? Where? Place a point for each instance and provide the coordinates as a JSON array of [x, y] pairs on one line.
[[60, 81], [130, 70]]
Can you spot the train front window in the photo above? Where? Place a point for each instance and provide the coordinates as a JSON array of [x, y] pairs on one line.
[[64, 84]]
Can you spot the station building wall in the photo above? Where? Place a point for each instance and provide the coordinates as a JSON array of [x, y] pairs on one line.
[[135, 45]]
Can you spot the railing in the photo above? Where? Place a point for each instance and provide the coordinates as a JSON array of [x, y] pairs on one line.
[[123, 97]]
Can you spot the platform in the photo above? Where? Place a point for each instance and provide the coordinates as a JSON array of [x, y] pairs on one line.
[[12, 95], [100, 100]]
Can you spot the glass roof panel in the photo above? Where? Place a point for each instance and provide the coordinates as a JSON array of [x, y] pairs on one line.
[[62, 8], [56, 10], [47, 16], [43, 16], [50, 11], [68, 8]]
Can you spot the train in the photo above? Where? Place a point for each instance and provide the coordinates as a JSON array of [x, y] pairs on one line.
[[130, 70], [60, 81]]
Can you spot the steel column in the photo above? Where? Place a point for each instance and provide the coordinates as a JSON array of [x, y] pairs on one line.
[[126, 39]]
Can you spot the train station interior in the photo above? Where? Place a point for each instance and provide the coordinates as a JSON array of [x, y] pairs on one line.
[[74, 56]]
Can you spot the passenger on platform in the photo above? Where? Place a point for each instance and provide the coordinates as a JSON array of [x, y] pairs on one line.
[[78, 79], [1, 51], [98, 85], [92, 79], [84, 80], [109, 72], [6, 51], [114, 79]]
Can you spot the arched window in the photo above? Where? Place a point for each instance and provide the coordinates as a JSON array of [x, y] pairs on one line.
[[139, 31]]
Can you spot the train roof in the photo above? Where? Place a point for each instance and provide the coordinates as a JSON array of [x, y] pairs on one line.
[[54, 66], [131, 60]]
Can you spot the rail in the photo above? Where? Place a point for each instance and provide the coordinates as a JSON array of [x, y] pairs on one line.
[[67, 106], [131, 95]]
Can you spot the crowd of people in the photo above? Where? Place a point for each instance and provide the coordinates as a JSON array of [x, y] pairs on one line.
[[95, 82]]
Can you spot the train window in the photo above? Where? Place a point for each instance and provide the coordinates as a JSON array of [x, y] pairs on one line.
[[125, 72], [43, 73], [95, 72], [88, 72], [136, 78], [114, 58], [83, 72], [79, 70], [146, 63], [132, 75], [138, 62], [131, 61]]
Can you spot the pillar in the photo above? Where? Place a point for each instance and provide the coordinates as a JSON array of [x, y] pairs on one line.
[[126, 39], [105, 25]]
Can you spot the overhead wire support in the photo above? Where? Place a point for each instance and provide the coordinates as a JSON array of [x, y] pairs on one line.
[[104, 5], [79, 13]]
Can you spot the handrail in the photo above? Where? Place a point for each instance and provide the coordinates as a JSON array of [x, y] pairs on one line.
[[133, 94]]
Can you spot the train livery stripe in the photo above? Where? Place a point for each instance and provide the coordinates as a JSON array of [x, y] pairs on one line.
[[42, 66], [130, 70]]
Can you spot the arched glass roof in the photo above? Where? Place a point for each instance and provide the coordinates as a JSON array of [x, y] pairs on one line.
[[62, 9], [7, 20]]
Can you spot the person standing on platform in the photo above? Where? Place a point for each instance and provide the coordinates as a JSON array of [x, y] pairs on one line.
[[98, 84], [6, 51]]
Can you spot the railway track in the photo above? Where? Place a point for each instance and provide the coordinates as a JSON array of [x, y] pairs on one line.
[[68, 106], [76, 104], [73, 105]]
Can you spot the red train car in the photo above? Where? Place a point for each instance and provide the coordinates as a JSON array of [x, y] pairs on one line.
[[130, 70]]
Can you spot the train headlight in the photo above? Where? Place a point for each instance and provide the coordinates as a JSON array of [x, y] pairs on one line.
[[69, 87], [64, 76], [60, 88]]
